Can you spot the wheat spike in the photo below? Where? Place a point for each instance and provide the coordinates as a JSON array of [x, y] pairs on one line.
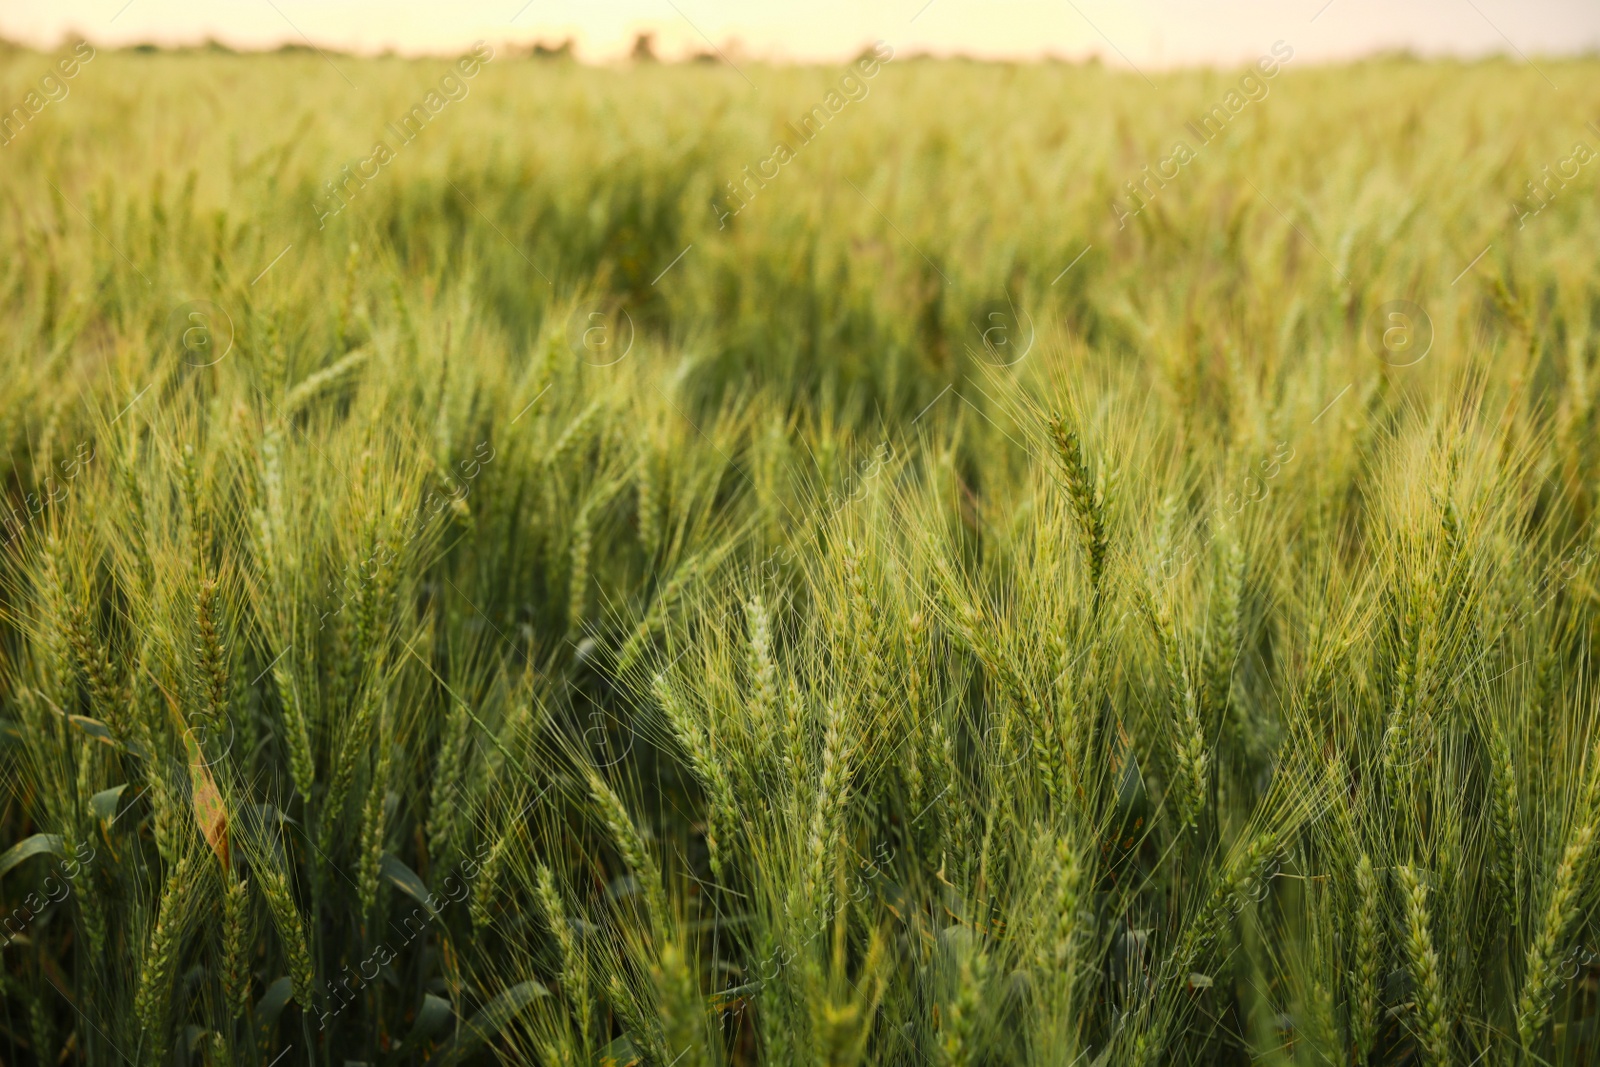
[[1540, 974], [445, 800], [374, 829], [1432, 1026], [213, 664], [578, 572], [486, 887], [291, 931], [237, 940], [153, 1000], [1367, 952], [631, 844], [574, 968], [1088, 503]]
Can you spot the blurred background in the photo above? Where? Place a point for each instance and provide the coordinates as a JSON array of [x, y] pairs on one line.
[[1143, 33]]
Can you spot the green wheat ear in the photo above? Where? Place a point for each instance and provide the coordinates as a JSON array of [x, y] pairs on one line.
[[290, 929], [722, 815], [1432, 1023], [576, 973], [1085, 496], [1540, 970], [1367, 953], [213, 666], [153, 1001], [486, 887], [630, 844], [238, 936]]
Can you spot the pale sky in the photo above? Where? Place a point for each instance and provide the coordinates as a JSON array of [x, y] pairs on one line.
[[1143, 33]]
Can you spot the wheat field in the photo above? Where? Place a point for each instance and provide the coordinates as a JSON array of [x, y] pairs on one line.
[[910, 562]]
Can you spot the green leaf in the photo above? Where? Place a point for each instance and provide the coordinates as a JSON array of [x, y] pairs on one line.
[[1132, 801], [623, 886], [408, 882], [269, 1007], [37, 845], [431, 1018], [94, 728], [104, 802], [265, 816], [490, 1021], [621, 1052]]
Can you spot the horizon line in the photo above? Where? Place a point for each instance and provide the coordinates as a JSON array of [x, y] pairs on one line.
[[566, 50]]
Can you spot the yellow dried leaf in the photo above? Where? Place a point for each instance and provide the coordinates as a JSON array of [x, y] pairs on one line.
[[210, 813]]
